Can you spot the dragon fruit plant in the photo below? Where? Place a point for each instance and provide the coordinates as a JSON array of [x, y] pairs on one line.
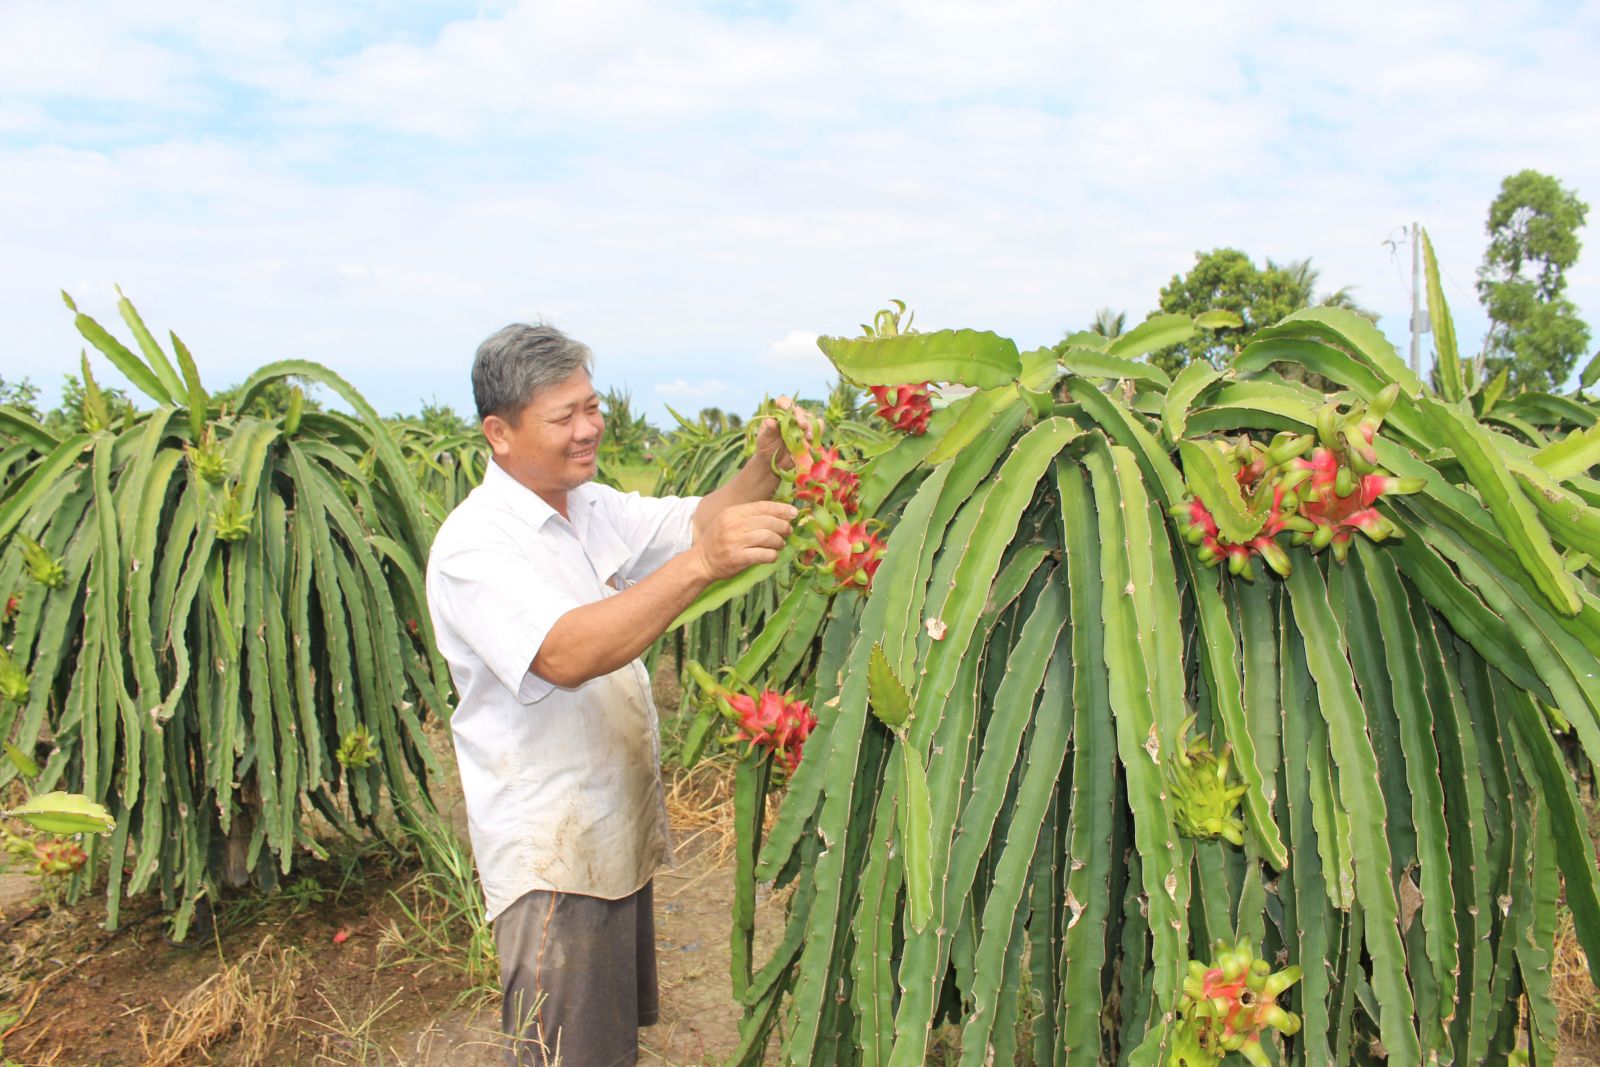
[[211, 597], [1058, 757]]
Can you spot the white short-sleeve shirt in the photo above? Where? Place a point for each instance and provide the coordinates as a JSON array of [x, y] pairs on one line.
[[563, 786]]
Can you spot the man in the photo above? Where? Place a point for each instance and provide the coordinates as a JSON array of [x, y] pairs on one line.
[[544, 590]]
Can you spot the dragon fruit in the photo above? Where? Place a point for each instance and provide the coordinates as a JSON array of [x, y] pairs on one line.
[[820, 477], [1340, 501], [1205, 803], [906, 407], [850, 552], [771, 720], [1200, 529], [1228, 1006], [1320, 499], [57, 857]]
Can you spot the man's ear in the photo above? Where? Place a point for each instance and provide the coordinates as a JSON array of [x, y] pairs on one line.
[[498, 433]]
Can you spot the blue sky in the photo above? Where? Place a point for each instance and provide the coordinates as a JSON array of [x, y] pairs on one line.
[[698, 190]]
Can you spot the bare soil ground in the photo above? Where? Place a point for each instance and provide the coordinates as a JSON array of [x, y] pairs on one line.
[[333, 969], [319, 983]]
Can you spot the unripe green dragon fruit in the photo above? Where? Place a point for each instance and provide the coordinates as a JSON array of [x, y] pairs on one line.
[[42, 567], [231, 519], [356, 749], [1205, 801], [208, 459], [13, 681]]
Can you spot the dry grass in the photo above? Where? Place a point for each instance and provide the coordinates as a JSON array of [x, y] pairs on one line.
[[1571, 986], [700, 808], [251, 998]]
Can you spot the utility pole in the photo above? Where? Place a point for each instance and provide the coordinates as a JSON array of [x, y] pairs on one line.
[[1417, 327]]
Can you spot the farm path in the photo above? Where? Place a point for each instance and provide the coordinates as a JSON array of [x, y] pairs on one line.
[[699, 1022]]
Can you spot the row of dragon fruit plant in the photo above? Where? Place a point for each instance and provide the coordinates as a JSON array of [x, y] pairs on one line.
[[214, 625], [1157, 720]]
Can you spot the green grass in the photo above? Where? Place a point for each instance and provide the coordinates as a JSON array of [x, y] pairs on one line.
[[635, 477]]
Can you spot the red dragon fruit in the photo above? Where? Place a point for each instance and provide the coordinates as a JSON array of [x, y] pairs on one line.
[[851, 552], [58, 857], [906, 407], [1339, 501], [820, 477], [771, 720], [1200, 529]]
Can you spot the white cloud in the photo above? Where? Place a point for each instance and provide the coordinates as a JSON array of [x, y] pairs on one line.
[[704, 390], [686, 186], [795, 348]]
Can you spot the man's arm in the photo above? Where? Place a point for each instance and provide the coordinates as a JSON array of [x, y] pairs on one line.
[[596, 639]]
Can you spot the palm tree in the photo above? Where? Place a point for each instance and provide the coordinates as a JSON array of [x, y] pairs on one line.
[[1305, 277], [1109, 324]]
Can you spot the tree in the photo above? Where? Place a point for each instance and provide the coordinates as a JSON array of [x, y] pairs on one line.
[[1108, 323], [271, 400], [1307, 275], [438, 418], [1533, 238], [1226, 279], [22, 395]]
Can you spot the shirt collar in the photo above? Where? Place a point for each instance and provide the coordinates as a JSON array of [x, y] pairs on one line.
[[529, 506]]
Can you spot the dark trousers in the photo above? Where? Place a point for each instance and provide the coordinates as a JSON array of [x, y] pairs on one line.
[[579, 978]]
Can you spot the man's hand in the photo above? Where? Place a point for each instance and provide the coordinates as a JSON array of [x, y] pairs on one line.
[[742, 536], [769, 442]]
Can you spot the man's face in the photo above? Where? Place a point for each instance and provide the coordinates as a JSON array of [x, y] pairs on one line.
[[552, 447]]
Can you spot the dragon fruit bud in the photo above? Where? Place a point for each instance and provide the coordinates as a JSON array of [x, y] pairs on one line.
[[1344, 483], [1293, 479], [1373, 524], [1239, 566], [1378, 410], [1286, 446]]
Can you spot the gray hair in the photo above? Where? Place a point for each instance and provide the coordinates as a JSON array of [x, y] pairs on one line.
[[518, 361]]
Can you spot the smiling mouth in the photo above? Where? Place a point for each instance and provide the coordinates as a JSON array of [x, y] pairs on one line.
[[586, 453]]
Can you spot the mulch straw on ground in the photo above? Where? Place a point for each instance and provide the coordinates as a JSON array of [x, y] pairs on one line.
[[251, 998]]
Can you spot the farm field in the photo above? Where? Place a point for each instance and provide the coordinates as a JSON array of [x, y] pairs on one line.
[[274, 986], [1227, 712]]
